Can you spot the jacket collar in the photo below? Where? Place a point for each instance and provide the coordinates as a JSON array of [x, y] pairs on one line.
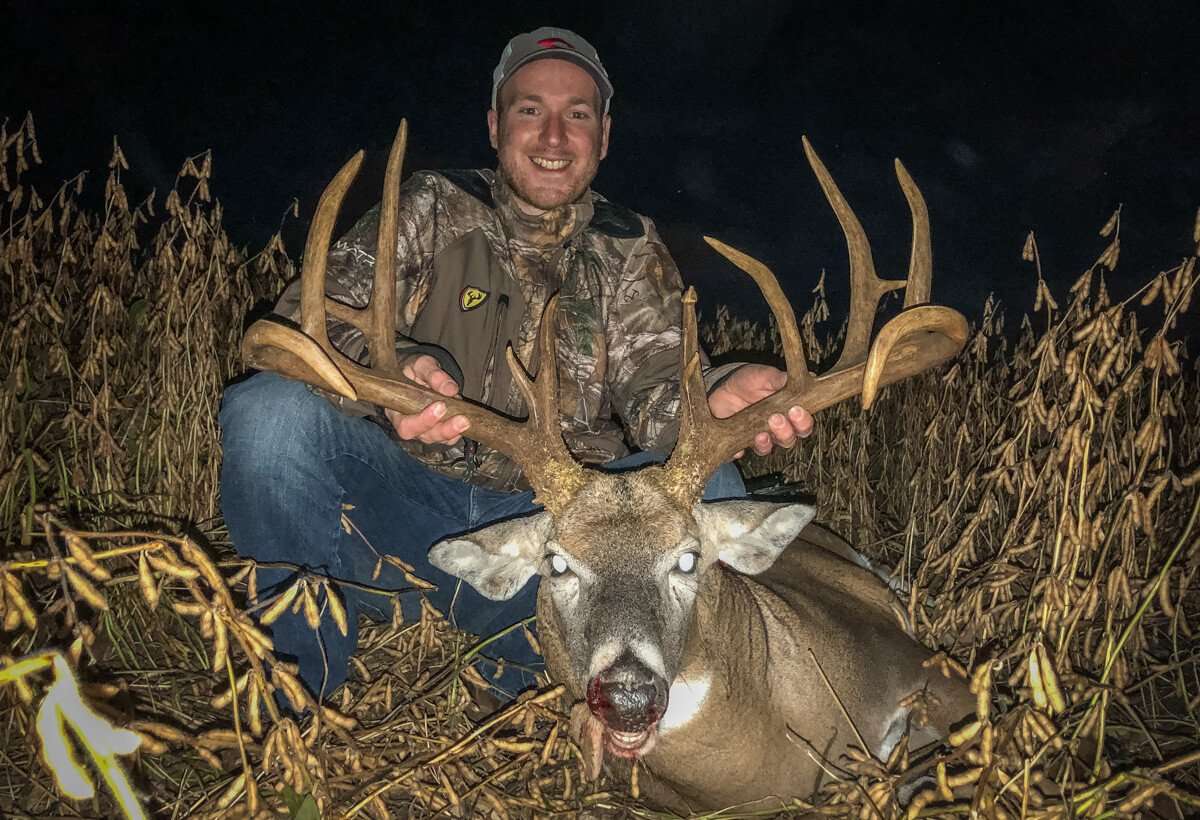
[[554, 228]]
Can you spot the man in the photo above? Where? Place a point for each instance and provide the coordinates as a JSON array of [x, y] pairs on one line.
[[337, 488]]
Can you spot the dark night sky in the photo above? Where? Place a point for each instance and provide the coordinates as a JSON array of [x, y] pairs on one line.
[[1011, 117]]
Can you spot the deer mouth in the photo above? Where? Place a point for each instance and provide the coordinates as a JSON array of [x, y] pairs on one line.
[[630, 744], [595, 739], [626, 702]]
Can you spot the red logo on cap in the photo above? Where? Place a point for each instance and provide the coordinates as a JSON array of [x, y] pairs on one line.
[[555, 42]]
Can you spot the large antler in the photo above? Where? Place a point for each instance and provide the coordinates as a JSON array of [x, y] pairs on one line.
[[918, 338], [536, 444]]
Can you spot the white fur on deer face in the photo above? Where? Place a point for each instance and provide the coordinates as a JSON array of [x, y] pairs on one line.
[[622, 569]]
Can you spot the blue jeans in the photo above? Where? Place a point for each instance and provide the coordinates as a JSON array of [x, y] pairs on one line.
[[294, 465]]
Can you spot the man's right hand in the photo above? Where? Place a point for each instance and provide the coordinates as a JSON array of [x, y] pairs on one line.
[[430, 425]]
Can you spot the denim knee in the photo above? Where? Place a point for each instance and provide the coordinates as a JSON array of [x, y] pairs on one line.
[[725, 483], [280, 501], [266, 416], [276, 483]]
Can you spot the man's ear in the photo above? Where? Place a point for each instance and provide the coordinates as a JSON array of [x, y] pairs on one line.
[[606, 127], [497, 560], [493, 121], [749, 535]]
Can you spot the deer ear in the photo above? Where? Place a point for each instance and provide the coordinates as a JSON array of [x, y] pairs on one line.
[[750, 535], [497, 560]]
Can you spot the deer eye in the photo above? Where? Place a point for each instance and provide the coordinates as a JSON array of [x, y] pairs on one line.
[[686, 563], [558, 565]]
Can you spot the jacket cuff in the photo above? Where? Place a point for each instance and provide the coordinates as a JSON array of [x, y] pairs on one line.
[[406, 350], [714, 377]]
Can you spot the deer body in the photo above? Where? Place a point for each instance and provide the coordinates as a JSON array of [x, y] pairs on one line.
[[768, 717], [721, 682]]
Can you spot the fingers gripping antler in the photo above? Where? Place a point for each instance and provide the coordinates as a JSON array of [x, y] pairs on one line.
[[536, 444], [919, 338]]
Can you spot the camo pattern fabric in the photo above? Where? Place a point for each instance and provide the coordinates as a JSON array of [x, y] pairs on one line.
[[619, 320]]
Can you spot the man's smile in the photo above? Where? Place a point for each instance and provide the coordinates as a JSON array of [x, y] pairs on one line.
[[550, 164]]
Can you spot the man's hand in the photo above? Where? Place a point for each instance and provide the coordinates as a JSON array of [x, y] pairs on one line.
[[749, 384], [429, 425]]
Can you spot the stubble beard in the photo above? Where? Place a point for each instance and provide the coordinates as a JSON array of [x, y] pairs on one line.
[[542, 201], [551, 200]]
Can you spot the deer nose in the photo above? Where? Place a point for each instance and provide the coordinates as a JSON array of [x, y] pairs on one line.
[[627, 696]]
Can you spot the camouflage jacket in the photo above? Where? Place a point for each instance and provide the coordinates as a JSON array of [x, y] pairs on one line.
[[473, 274]]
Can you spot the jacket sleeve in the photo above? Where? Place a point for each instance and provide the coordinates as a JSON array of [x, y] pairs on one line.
[[350, 275], [644, 332]]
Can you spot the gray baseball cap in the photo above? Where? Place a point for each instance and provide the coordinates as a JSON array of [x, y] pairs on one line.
[[550, 42]]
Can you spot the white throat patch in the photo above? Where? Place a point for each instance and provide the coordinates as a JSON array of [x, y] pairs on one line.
[[684, 701]]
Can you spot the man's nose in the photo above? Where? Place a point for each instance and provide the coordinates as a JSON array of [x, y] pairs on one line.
[[554, 133]]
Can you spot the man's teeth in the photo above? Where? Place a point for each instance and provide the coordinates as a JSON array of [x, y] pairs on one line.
[[551, 164]]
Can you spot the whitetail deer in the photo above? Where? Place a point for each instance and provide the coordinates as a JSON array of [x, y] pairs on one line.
[[730, 646]]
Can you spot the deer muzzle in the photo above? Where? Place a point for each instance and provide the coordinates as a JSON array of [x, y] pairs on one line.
[[628, 699]]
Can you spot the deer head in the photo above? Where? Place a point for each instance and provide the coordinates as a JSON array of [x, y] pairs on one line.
[[626, 560]]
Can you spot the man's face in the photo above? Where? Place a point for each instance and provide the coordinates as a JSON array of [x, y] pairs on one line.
[[549, 135]]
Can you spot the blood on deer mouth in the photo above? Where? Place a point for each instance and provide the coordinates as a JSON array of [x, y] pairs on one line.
[[627, 742]]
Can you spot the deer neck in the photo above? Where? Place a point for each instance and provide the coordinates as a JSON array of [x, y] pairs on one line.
[[726, 651]]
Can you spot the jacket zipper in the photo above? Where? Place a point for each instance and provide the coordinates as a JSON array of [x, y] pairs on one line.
[[470, 445]]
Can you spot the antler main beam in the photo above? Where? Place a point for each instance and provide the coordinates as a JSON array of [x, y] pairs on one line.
[[536, 444], [920, 337]]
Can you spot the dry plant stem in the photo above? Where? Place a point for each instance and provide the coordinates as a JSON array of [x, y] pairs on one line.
[[247, 769], [451, 675], [862, 744], [501, 717], [1152, 590], [41, 564], [68, 598]]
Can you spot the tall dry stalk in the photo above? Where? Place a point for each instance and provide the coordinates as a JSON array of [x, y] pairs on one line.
[[120, 329]]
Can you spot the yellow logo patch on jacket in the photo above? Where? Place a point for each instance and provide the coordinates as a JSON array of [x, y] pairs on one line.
[[471, 297]]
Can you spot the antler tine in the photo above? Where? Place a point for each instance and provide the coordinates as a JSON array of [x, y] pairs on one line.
[[377, 321], [687, 469], [316, 252], [552, 471], [781, 308], [866, 289], [920, 260], [912, 342], [307, 354], [705, 442], [382, 334], [304, 354], [920, 337], [693, 403]]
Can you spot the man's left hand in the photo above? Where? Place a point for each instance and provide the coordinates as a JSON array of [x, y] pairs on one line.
[[752, 383]]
